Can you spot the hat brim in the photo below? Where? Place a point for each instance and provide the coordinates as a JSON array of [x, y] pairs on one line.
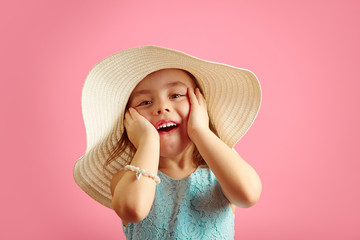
[[233, 97]]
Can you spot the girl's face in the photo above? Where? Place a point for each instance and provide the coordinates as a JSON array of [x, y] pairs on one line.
[[162, 98]]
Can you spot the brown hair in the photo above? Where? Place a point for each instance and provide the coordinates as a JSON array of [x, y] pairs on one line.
[[125, 147]]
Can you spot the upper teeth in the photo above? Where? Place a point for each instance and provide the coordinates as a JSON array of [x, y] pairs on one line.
[[170, 124]]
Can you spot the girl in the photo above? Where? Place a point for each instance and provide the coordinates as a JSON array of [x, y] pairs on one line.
[[161, 155]]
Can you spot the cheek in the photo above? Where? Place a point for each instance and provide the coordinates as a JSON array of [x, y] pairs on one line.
[[145, 113], [185, 109]]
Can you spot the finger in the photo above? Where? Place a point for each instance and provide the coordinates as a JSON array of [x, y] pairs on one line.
[[200, 98], [133, 112], [127, 119], [192, 96], [128, 115]]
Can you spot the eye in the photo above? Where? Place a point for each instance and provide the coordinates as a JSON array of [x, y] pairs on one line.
[[144, 103], [176, 96]]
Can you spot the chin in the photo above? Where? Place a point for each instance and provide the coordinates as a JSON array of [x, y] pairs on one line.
[[169, 153]]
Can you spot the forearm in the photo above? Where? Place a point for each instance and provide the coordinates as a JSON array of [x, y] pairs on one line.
[[239, 181], [132, 199]]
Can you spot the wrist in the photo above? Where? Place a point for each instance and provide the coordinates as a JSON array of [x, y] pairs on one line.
[[198, 134], [152, 140]]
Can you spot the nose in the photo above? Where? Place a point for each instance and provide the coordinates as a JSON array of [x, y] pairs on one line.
[[161, 110], [162, 107]]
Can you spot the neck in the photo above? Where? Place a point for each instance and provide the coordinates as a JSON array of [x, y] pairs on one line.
[[182, 161]]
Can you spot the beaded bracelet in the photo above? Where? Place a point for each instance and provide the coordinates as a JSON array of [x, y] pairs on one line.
[[141, 172]]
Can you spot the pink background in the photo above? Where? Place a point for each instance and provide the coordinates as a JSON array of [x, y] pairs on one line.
[[304, 143]]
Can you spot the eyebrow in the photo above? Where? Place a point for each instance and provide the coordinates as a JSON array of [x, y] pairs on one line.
[[144, 91], [172, 84]]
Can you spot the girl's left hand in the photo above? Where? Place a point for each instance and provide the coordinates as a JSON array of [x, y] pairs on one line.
[[198, 117]]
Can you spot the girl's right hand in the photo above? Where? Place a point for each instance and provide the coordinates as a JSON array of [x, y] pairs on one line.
[[138, 128]]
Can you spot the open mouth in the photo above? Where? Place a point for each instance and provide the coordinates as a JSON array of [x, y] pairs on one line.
[[166, 127]]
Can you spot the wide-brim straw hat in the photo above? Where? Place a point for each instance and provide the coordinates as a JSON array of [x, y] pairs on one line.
[[233, 97]]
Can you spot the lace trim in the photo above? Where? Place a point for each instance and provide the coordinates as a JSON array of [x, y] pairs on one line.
[[190, 208]]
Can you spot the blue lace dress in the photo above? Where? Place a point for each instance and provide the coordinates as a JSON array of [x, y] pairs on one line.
[[189, 208]]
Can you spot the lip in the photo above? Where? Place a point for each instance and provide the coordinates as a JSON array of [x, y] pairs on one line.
[[163, 121]]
